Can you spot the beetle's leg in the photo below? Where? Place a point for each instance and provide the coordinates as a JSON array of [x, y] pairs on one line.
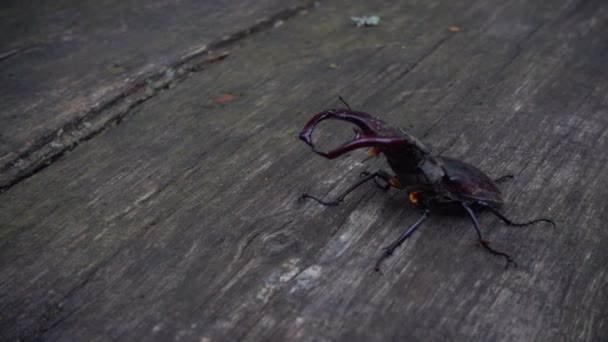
[[388, 250], [385, 176], [515, 224], [503, 178], [340, 198], [485, 243]]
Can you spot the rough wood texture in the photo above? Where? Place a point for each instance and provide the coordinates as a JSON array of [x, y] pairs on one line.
[[181, 222], [64, 65]]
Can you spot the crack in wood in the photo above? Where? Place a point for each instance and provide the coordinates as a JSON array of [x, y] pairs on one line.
[[15, 52], [424, 56], [52, 145], [241, 251]]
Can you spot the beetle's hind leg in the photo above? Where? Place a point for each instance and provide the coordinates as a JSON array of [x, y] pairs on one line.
[[365, 177], [485, 243], [515, 224]]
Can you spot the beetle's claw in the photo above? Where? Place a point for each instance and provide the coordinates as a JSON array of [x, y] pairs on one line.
[[510, 261], [550, 221], [504, 178], [320, 201], [388, 252]]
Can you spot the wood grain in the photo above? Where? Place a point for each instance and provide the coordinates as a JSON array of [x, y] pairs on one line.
[[68, 69], [182, 222]]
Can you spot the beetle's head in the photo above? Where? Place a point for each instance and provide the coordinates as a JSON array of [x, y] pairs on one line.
[[371, 132]]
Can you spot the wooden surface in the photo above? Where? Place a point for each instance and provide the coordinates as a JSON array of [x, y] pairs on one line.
[[67, 67], [181, 221]]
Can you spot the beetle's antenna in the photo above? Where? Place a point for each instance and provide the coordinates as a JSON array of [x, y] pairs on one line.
[[343, 101]]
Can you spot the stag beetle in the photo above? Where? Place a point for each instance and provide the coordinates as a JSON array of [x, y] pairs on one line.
[[431, 182]]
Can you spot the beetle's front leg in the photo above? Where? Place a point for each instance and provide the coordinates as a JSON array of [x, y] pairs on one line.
[[389, 180], [365, 177]]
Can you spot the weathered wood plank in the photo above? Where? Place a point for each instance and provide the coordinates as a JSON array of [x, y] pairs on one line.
[[181, 222], [62, 64]]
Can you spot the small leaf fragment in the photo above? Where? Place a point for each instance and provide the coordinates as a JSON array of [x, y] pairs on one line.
[[225, 98], [367, 20]]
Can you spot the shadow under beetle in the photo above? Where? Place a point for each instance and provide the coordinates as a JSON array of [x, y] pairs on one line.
[[431, 182]]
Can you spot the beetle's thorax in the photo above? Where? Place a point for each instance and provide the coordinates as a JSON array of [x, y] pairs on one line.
[[414, 166]]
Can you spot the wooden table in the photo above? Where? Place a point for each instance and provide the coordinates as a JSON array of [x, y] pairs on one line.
[[150, 170]]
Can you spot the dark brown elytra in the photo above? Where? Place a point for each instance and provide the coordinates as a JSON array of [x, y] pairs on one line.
[[431, 182]]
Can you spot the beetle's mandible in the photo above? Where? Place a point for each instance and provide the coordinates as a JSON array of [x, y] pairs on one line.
[[431, 182]]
